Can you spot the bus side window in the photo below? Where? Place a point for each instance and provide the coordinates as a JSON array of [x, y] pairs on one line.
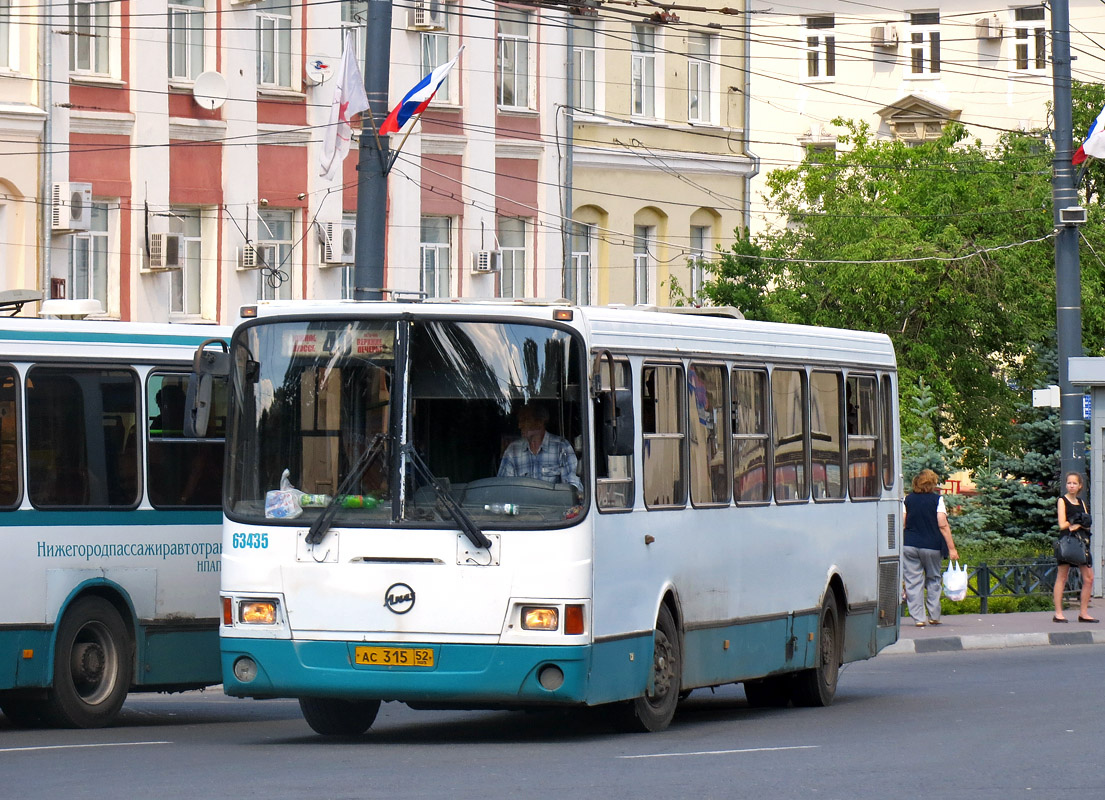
[[863, 478], [663, 426], [886, 446], [749, 422], [613, 473], [709, 435], [76, 429], [826, 435], [9, 448], [182, 472], [790, 442]]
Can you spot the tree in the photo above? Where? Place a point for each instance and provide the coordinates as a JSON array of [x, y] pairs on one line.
[[943, 246]]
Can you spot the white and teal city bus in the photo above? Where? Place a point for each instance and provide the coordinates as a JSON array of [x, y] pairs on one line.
[[110, 523], [734, 514]]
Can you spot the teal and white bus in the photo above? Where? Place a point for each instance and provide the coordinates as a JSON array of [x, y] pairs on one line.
[[110, 520], [734, 514]]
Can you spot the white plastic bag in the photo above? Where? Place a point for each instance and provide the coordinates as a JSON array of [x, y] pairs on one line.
[[955, 582], [283, 503]]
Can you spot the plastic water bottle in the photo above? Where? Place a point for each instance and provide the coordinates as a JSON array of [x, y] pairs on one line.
[[509, 509], [314, 500]]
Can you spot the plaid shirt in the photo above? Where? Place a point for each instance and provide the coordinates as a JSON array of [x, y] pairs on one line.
[[554, 462]]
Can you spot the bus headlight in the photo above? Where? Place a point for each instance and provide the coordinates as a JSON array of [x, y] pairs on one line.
[[539, 618], [257, 612]]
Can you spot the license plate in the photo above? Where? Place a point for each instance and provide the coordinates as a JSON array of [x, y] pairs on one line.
[[394, 656]]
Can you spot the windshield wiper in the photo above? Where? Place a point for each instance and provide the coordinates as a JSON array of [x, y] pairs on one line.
[[459, 515], [322, 523]]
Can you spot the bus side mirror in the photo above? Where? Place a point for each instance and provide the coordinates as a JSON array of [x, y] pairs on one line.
[[206, 366], [616, 411]]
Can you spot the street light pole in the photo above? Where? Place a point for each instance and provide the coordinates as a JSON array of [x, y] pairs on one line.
[[1068, 280]]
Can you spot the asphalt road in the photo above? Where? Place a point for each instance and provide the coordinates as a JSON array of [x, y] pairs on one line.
[[1023, 722]]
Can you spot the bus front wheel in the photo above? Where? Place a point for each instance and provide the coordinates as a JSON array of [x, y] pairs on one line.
[[655, 710], [817, 686], [92, 666], [331, 717]]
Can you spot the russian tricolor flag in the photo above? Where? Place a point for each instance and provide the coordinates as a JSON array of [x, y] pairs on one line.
[[1094, 145], [418, 98]]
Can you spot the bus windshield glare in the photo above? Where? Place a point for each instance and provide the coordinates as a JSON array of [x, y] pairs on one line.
[[338, 413]]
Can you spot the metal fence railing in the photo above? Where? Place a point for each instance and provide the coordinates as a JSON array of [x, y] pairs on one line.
[[1018, 579]]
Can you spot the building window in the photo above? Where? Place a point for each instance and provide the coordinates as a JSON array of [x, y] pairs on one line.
[[435, 52], [512, 248], [820, 47], [643, 71], [184, 293], [700, 69], [644, 241], [700, 251], [89, 44], [579, 278], [436, 255], [274, 44], [275, 245], [924, 37], [88, 262], [583, 75], [1030, 38], [185, 38], [5, 34], [354, 16], [513, 59]]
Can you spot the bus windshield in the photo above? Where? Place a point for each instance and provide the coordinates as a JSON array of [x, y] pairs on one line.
[[343, 413]]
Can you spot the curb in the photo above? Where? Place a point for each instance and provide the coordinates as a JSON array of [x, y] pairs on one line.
[[992, 641]]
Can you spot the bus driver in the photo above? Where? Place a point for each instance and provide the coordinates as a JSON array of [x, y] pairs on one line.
[[539, 454]]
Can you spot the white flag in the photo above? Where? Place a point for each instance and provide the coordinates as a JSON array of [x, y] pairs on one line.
[[349, 99]]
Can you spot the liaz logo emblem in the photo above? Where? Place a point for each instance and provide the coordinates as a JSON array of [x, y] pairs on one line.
[[399, 598]]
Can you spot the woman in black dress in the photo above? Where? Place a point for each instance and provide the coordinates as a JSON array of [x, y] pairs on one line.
[[1071, 506]]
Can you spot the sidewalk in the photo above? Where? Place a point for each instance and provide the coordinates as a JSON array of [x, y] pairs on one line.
[[993, 631]]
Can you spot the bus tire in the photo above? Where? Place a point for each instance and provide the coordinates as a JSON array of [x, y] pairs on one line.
[[653, 712], [92, 666], [771, 692], [816, 687], [331, 717]]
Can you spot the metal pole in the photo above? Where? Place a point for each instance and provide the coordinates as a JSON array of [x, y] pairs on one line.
[[569, 286], [372, 186], [1068, 282]]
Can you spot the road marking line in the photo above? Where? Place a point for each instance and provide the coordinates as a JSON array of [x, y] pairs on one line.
[[75, 746], [727, 752]]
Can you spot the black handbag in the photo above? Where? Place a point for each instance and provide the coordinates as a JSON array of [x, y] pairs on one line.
[[1070, 548]]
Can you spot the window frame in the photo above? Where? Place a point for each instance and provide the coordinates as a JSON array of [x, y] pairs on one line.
[[642, 71], [803, 485], [581, 288], [820, 47], [275, 279], [510, 255], [191, 40], [1034, 39], [521, 73], [681, 491], [98, 270], [279, 14], [841, 438], [763, 436], [924, 45], [101, 55], [437, 248], [584, 66], [701, 79], [722, 418], [12, 423], [623, 379], [9, 41], [644, 262], [190, 274]]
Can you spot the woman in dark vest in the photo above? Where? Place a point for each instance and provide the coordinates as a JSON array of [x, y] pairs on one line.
[[928, 539]]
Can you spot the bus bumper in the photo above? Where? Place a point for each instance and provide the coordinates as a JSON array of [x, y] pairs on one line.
[[480, 674]]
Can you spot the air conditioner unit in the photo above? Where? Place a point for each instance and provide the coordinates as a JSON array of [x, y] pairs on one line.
[[427, 15], [988, 28], [484, 261], [341, 243], [884, 36], [71, 207], [164, 252], [256, 256]]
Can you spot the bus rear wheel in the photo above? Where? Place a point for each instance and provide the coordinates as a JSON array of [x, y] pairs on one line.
[[654, 711], [816, 687], [330, 717], [92, 666]]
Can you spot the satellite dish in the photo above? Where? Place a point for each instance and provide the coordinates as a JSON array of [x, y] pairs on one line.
[[317, 70], [209, 90]]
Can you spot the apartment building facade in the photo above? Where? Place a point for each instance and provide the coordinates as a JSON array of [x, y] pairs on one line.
[[905, 69]]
